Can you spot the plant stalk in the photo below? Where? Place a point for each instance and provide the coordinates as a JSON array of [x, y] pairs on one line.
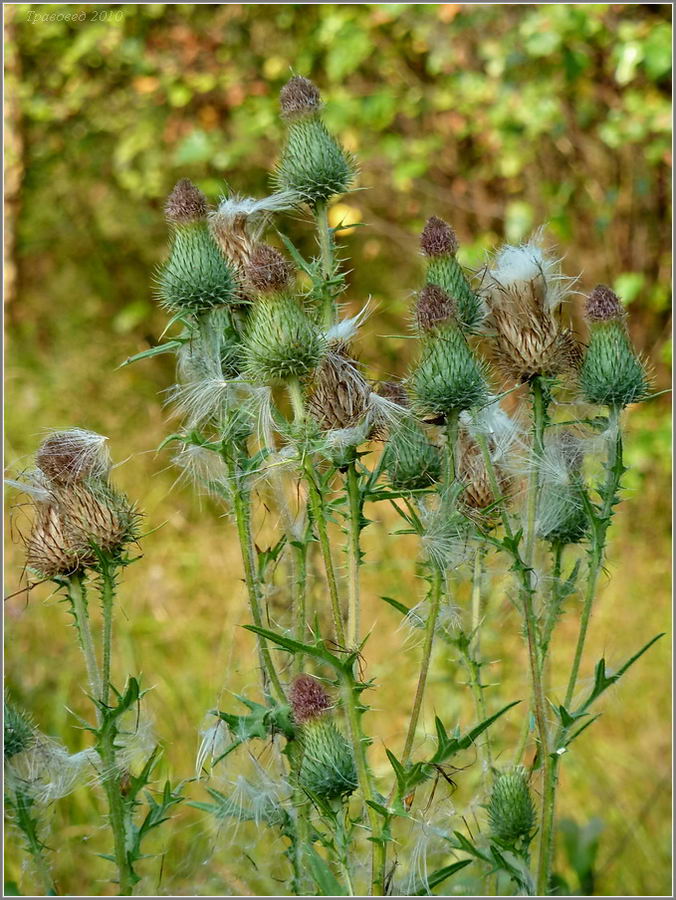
[[78, 599], [107, 598], [354, 554]]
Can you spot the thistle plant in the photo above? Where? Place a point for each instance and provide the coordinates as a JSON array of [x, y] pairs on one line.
[[276, 412], [82, 532]]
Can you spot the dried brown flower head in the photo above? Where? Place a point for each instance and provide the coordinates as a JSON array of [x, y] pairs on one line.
[[523, 292], [185, 204], [308, 699], [339, 395], [478, 491], [267, 270], [438, 238], [603, 305], [299, 97], [73, 455], [433, 307]]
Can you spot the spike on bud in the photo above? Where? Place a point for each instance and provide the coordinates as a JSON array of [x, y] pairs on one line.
[[603, 305], [308, 699], [434, 306], [267, 269], [185, 204], [438, 238], [299, 97]]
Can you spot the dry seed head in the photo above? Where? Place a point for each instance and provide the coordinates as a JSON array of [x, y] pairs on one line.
[[339, 396], [185, 204], [299, 97], [51, 549], [267, 270], [433, 307], [308, 699], [603, 305], [523, 289], [73, 455], [395, 392], [438, 238], [96, 513], [478, 493]]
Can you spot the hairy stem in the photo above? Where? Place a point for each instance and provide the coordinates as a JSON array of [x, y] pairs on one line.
[[325, 239], [354, 554], [242, 506], [600, 525], [107, 598], [430, 626], [554, 605], [319, 515], [474, 664], [116, 813], [78, 599]]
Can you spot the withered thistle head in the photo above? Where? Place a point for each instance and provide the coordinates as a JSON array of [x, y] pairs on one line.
[[478, 493], [51, 548], [603, 305], [438, 238], [299, 97], [395, 392], [73, 455], [523, 291], [308, 699], [267, 270], [185, 204], [338, 396], [433, 307]]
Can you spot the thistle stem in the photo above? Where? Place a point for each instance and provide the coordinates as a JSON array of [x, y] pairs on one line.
[[473, 654], [325, 239], [600, 525], [21, 804], [319, 515], [554, 604], [365, 779], [242, 508], [116, 813], [107, 598], [430, 626], [354, 554], [78, 599]]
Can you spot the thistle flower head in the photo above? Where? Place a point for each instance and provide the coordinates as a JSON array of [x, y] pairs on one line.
[[433, 307], [338, 396], [603, 305], [299, 97], [611, 373], [511, 812], [267, 270], [561, 514], [478, 491], [186, 204], [328, 768], [438, 238], [73, 455], [45, 771], [523, 289], [411, 460], [309, 699], [19, 730]]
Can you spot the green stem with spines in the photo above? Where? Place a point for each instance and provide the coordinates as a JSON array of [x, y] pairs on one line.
[[472, 656], [28, 826], [354, 497], [116, 812], [614, 471], [107, 599], [325, 239], [242, 508], [353, 710], [554, 604]]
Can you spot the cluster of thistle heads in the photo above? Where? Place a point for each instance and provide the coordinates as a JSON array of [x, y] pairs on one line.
[[256, 321], [80, 517]]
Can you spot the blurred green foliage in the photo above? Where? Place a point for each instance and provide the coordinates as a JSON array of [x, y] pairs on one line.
[[497, 118]]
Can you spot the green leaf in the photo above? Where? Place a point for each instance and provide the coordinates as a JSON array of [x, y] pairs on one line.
[[602, 681], [395, 604], [317, 650], [449, 746], [168, 347], [440, 875], [328, 884]]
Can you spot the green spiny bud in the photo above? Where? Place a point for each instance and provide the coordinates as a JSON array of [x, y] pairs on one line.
[[561, 515], [433, 307], [440, 244], [511, 812], [448, 378], [196, 277], [611, 373], [313, 164], [19, 731], [328, 767], [281, 341], [411, 461]]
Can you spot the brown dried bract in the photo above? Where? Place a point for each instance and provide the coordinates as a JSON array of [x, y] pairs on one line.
[[298, 97], [339, 395], [186, 204], [438, 238]]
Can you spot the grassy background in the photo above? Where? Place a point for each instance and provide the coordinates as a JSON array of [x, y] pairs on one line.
[[497, 118]]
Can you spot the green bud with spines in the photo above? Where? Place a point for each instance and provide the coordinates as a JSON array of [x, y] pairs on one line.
[[327, 768], [611, 373], [281, 341], [439, 245], [562, 517], [313, 164], [447, 378], [411, 461], [19, 731], [511, 812], [197, 277]]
